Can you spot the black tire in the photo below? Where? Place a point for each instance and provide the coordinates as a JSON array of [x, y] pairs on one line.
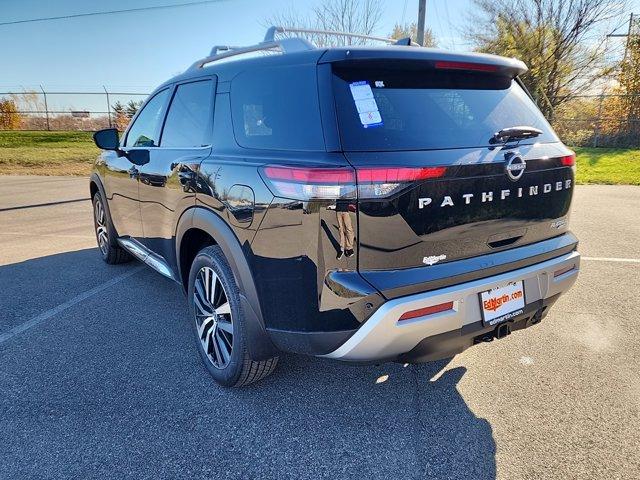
[[106, 236], [240, 369]]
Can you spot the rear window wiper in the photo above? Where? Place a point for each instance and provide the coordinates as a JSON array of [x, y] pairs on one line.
[[511, 133]]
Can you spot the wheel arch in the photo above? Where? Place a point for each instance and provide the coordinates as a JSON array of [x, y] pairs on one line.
[[95, 186], [198, 224]]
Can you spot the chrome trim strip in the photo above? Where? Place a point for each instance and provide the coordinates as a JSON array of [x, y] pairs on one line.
[[134, 248], [383, 337], [145, 255]]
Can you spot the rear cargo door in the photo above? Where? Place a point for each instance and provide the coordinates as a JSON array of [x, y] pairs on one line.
[[434, 185]]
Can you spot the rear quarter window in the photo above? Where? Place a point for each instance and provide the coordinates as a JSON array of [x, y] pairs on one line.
[[276, 108]]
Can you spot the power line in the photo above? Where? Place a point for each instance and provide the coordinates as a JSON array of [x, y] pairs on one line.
[[437, 15], [449, 27], [110, 12]]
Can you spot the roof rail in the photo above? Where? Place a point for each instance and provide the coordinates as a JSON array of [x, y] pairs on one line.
[[285, 45]]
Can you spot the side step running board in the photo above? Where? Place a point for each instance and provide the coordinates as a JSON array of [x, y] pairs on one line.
[[143, 254]]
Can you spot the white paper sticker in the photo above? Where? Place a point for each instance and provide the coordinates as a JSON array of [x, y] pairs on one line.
[[365, 104], [370, 118], [360, 90]]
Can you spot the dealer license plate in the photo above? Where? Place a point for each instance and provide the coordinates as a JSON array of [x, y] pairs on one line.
[[502, 303]]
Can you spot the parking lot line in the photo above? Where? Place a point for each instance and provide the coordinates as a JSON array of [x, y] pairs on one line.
[[6, 336], [52, 235], [611, 259], [47, 204]]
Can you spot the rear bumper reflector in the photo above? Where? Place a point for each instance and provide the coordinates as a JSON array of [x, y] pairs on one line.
[[562, 271], [421, 312]]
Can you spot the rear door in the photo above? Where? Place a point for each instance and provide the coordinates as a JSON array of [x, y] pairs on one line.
[[167, 182], [433, 186]]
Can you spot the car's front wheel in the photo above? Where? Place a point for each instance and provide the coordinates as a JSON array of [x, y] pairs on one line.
[[219, 323], [106, 237]]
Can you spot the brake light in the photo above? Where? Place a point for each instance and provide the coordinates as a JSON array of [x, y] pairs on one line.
[[379, 182], [568, 160], [479, 67], [387, 175], [308, 183], [310, 175], [421, 312]]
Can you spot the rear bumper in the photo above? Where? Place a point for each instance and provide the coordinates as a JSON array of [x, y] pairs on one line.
[[382, 337]]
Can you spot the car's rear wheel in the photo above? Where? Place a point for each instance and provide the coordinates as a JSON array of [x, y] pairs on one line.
[[110, 251], [219, 323]]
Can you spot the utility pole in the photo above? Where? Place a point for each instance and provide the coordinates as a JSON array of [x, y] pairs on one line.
[[623, 35], [422, 10]]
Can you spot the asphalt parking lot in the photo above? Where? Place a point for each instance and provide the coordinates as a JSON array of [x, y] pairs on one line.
[[100, 378]]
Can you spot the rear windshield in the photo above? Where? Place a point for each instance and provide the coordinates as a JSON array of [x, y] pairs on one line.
[[418, 109]]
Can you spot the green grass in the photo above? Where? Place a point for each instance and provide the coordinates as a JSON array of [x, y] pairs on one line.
[[73, 153], [47, 153], [610, 166]]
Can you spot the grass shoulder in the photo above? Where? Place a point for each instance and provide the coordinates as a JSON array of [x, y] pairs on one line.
[[73, 153], [47, 153], [608, 166]]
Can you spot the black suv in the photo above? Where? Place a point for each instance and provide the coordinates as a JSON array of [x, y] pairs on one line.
[[364, 204]]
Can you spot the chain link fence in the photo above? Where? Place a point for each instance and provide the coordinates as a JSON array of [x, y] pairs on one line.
[[587, 120], [604, 120], [56, 111]]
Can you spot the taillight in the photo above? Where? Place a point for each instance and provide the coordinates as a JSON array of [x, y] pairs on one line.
[[568, 160], [309, 183], [478, 67], [379, 182]]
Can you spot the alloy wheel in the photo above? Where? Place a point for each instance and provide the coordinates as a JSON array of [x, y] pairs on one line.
[[101, 227], [214, 322]]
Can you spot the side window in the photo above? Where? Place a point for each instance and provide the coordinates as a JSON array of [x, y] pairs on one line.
[[145, 130], [189, 115], [277, 108]]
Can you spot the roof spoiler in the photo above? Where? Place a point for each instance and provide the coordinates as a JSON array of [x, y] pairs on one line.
[[433, 57]]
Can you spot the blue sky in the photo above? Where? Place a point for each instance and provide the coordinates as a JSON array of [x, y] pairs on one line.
[[142, 49], [136, 51]]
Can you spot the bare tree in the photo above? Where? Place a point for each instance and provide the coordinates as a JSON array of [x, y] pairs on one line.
[[559, 40], [354, 16]]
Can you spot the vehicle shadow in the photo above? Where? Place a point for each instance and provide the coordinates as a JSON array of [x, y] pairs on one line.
[[405, 420], [117, 375]]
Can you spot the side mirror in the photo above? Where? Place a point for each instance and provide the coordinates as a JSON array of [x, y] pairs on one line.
[[138, 157], [107, 139]]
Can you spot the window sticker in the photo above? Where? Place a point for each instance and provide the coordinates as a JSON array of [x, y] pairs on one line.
[[365, 104]]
